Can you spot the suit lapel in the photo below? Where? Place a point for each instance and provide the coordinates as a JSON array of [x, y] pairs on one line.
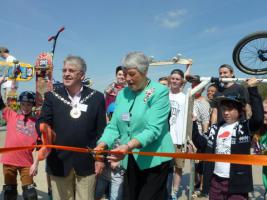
[[85, 92]]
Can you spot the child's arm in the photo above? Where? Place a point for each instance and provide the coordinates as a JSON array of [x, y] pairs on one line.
[[34, 166], [188, 69]]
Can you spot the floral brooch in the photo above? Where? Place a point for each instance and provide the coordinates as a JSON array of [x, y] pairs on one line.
[[148, 93]]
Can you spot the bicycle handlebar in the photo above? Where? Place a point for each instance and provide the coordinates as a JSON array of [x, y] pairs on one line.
[[54, 38], [62, 29], [51, 38]]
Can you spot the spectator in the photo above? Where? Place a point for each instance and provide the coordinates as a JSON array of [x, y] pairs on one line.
[[232, 136], [140, 122], [211, 91], [177, 100], [201, 110], [229, 88], [20, 132], [112, 90], [164, 81], [263, 144], [9, 87], [112, 177]]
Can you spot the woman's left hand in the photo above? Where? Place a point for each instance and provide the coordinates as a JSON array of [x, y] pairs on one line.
[[120, 153]]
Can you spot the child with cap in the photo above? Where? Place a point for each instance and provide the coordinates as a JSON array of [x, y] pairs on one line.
[[231, 136], [20, 132], [113, 174]]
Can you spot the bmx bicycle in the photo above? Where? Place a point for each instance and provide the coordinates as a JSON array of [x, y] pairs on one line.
[[250, 54]]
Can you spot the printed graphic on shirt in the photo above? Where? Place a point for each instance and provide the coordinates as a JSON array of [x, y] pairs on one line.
[[224, 134], [175, 110], [224, 143], [26, 129]]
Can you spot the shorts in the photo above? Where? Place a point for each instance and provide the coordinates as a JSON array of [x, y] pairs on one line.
[[10, 175], [178, 162]]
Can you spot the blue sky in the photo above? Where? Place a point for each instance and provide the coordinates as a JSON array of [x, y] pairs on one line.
[[103, 31]]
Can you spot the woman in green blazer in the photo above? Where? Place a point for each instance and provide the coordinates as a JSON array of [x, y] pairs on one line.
[[140, 121]]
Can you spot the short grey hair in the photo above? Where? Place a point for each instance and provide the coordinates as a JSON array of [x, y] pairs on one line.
[[136, 60], [76, 61]]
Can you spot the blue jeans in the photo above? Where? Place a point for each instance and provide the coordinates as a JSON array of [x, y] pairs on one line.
[[113, 179]]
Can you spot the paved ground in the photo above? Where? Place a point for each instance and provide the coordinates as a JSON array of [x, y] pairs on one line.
[[40, 179]]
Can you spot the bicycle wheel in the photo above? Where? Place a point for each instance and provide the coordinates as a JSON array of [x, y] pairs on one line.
[[250, 54]]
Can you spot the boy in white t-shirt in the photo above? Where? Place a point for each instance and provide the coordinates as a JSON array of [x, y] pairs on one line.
[[177, 101], [231, 136]]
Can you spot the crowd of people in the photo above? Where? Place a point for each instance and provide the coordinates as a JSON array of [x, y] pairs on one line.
[[135, 114]]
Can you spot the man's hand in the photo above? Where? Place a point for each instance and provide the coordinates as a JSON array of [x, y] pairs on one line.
[[99, 159], [190, 62], [98, 156], [252, 82], [99, 167]]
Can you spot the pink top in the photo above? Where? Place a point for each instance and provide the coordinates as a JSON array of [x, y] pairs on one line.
[[19, 134]]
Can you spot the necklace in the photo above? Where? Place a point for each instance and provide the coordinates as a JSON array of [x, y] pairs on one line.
[[75, 112]]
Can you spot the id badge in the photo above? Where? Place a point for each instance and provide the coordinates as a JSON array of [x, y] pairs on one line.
[[82, 107], [125, 117]]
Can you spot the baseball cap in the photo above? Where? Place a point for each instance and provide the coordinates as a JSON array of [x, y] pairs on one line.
[[234, 98]]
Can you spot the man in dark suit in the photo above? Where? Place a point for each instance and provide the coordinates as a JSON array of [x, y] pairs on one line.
[[77, 115]]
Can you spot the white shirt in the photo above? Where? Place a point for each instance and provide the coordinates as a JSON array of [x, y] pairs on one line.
[[223, 146], [8, 84], [177, 117], [75, 100]]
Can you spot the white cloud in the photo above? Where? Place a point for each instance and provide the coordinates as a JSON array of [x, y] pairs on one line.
[[171, 19]]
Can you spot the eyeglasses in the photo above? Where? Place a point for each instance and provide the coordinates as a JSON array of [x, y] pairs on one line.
[[64, 70]]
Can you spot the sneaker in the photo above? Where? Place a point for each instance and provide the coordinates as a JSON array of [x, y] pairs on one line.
[[199, 194], [176, 194], [196, 194], [173, 196]]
